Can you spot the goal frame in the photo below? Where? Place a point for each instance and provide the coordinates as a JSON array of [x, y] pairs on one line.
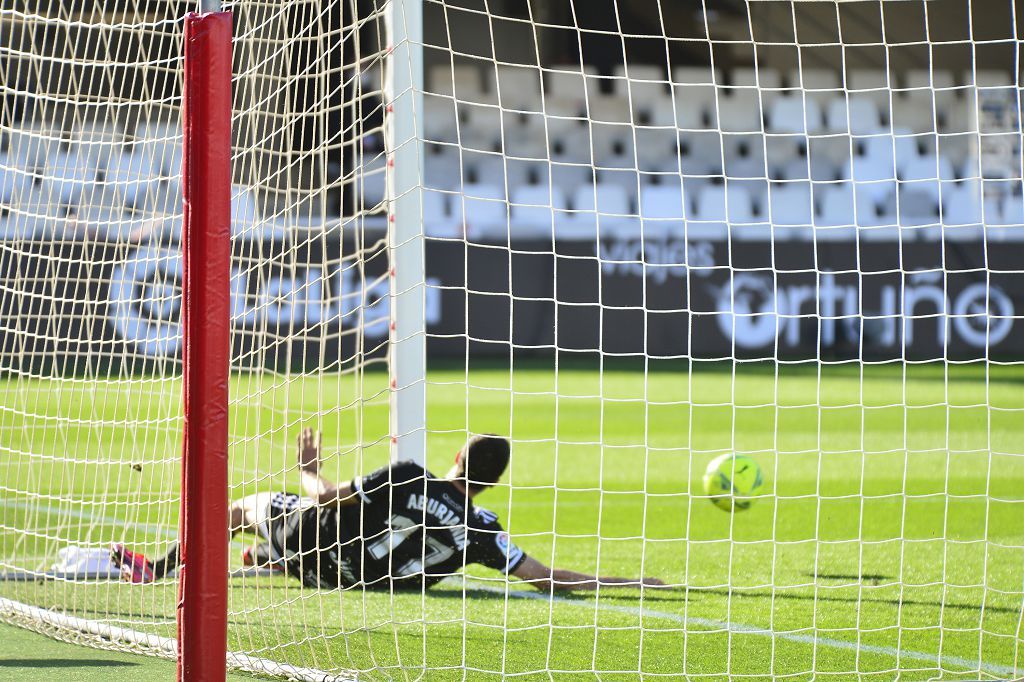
[[206, 358]]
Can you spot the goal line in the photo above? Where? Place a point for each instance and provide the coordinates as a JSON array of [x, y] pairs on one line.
[[162, 646]]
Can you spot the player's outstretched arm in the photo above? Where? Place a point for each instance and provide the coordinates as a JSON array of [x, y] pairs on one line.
[[546, 579], [313, 484]]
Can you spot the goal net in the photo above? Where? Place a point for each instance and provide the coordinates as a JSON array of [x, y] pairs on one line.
[[629, 237]]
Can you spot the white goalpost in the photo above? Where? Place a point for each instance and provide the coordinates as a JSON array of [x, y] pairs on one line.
[[634, 238]]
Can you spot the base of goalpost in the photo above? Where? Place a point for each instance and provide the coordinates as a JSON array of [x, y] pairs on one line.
[[162, 646]]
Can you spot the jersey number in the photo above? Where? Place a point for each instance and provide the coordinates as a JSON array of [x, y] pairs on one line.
[[434, 551]]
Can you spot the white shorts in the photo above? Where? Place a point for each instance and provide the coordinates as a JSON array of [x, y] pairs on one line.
[[270, 511]]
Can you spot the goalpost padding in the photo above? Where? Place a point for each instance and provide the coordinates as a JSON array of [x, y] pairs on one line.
[[203, 608]]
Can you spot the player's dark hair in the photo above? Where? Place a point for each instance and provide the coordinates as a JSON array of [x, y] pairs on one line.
[[483, 461]]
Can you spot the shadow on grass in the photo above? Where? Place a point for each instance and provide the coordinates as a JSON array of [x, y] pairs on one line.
[[63, 663], [679, 595]]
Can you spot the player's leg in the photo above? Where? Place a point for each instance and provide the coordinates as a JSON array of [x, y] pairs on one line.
[[250, 514]]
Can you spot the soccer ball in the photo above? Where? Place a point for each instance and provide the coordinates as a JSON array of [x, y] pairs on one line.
[[732, 482]]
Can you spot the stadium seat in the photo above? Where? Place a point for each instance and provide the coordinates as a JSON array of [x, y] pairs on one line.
[[437, 218], [1007, 224], [925, 174], [166, 199], [482, 209], [1012, 210], [442, 167], [856, 115], [609, 109], [613, 145], [606, 199], [29, 146], [767, 81], [740, 110], [533, 209], [601, 209], [750, 76], [692, 109], [245, 214], [440, 119], [960, 114], [373, 181], [463, 81], [567, 176], [655, 147], [834, 204], [962, 210], [918, 206], [525, 136], [165, 144], [639, 82], [131, 175], [700, 151], [871, 84], [626, 178], [517, 87], [987, 78], [569, 88], [12, 180], [795, 114], [665, 202], [480, 126], [744, 156], [694, 75], [70, 175], [790, 203], [724, 203], [915, 112], [693, 99]]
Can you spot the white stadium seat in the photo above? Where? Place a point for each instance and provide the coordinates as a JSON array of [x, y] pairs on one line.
[[437, 218], [834, 204], [962, 203], [856, 115], [440, 119], [723, 203], [795, 114], [663, 202], [790, 203], [740, 110], [12, 180], [605, 199], [517, 87], [482, 209], [131, 175], [533, 209]]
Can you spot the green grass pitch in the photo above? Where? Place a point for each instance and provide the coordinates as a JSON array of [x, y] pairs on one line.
[[889, 540]]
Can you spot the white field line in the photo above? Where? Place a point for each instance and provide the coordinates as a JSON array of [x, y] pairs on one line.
[[151, 528], [164, 645], [713, 624], [707, 623]]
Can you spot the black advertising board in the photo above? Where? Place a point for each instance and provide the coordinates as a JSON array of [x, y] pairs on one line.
[[73, 307]]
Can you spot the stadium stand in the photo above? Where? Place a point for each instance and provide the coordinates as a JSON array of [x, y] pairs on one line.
[[517, 151]]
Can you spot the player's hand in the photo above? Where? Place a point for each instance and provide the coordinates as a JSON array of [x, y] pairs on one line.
[[309, 450]]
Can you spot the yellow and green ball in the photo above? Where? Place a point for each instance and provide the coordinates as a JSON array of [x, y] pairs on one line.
[[733, 481]]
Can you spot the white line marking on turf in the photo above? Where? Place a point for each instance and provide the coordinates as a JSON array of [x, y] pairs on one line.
[[712, 624], [154, 528]]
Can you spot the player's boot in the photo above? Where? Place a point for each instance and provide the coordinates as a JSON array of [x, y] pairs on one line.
[[135, 568], [259, 555]]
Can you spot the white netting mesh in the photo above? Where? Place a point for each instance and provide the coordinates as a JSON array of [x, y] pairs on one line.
[[655, 232]]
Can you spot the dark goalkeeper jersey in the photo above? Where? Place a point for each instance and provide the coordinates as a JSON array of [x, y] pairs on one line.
[[409, 529]]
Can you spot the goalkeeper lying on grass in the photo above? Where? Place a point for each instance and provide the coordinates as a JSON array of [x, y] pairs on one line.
[[399, 526]]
